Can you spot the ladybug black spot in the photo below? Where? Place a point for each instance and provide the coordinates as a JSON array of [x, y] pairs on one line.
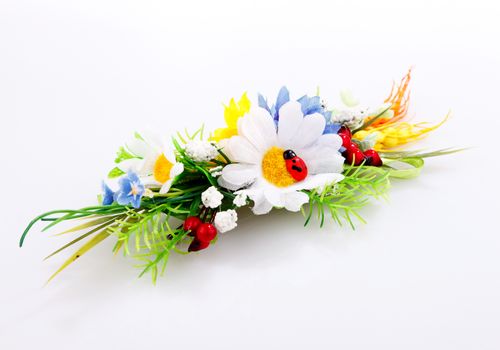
[[296, 168], [289, 154]]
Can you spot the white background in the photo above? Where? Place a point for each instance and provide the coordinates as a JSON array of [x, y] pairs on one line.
[[78, 77]]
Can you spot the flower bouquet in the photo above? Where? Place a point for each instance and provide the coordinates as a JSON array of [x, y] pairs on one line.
[[179, 195]]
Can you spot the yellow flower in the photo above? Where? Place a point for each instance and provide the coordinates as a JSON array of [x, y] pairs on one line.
[[398, 134], [232, 113]]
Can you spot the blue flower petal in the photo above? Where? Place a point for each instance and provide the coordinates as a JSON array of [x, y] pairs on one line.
[[136, 201], [122, 198], [108, 195], [263, 103], [283, 97], [331, 128], [311, 105], [133, 177], [327, 115]]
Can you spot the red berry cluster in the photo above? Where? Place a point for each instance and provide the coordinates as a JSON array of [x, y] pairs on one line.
[[353, 154], [203, 233]]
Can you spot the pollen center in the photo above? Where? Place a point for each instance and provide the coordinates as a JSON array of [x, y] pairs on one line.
[[162, 169], [274, 168]]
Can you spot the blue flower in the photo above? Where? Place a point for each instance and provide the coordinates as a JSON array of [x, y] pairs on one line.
[[310, 105], [283, 97], [108, 196], [131, 190]]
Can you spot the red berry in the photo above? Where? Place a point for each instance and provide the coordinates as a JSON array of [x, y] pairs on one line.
[[346, 140], [191, 223], [206, 232], [197, 245], [353, 154], [344, 130], [345, 135], [373, 158]]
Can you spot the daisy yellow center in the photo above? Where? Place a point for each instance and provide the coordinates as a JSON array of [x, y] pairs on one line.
[[162, 169], [274, 168]]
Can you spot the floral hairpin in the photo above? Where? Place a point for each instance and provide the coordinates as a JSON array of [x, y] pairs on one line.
[[177, 195]]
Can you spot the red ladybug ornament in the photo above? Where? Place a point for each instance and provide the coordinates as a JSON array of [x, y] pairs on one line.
[[206, 232], [191, 223], [373, 158], [353, 155], [197, 245], [295, 166]]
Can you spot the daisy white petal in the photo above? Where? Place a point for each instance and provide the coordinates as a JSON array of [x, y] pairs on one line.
[[152, 139], [166, 187], [295, 200], [311, 129], [138, 147], [275, 197], [242, 150], [330, 140], [176, 170], [258, 128], [261, 204], [169, 153], [317, 181], [236, 176], [291, 118], [133, 164]]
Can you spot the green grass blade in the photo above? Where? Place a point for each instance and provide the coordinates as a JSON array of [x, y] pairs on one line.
[[85, 248]]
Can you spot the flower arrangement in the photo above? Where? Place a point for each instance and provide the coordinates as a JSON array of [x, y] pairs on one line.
[[179, 195]]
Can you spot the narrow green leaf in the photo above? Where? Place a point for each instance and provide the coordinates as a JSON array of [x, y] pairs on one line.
[[85, 248]]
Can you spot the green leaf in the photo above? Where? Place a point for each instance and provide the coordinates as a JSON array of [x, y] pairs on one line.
[[122, 155], [85, 248], [89, 224], [115, 172], [405, 168], [78, 239]]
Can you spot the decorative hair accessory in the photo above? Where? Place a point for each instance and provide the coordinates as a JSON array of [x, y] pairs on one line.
[[178, 195]]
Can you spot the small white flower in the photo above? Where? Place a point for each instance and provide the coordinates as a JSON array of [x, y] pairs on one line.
[[201, 151], [241, 199], [352, 117], [226, 220], [212, 198], [217, 171]]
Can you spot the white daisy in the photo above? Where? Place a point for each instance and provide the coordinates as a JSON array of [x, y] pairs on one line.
[[260, 168], [154, 161]]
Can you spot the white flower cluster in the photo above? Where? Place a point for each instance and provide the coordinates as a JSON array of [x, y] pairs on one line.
[[352, 117], [201, 151], [240, 200], [212, 198], [226, 220]]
